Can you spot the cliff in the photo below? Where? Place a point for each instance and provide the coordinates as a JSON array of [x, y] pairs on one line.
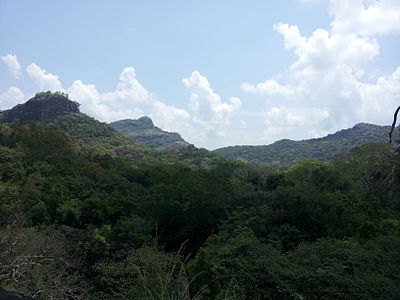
[[43, 107]]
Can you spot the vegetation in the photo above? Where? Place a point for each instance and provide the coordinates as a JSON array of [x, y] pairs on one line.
[[144, 131], [50, 94], [91, 135], [284, 153], [44, 107], [79, 224]]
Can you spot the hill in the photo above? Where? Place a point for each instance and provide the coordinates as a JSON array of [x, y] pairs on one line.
[[144, 131], [285, 152], [44, 106], [54, 111]]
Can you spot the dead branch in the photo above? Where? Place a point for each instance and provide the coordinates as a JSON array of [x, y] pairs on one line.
[[394, 124]]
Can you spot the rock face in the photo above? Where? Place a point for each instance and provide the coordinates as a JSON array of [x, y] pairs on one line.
[[42, 107], [144, 131]]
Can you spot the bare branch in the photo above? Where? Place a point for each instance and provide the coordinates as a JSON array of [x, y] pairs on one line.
[[394, 124]]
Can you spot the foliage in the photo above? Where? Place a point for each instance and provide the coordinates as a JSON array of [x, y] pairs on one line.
[[50, 94], [96, 225], [286, 152], [143, 130]]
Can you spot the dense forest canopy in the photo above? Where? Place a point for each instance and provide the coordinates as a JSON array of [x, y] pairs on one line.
[[85, 224]]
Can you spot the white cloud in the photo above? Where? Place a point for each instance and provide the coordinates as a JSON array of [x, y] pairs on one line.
[[286, 122], [206, 105], [207, 123], [12, 64], [111, 106], [130, 100], [380, 99], [173, 119], [295, 116], [365, 17], [44, 80], [271, 87], [129, 91], [211, 118], [11, 97], [329, 70], [327, 63]]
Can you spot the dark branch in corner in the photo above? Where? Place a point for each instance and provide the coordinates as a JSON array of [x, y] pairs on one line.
[[394, 124]]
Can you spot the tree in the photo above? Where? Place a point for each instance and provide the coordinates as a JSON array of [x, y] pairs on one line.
[[39, 263]]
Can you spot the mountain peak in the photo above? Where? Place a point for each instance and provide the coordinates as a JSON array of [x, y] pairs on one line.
[[141, 123], [43, 107], [144, 131], [364, 125], [145, 122]]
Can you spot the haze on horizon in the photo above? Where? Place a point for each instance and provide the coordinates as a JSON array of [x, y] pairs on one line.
[[218, 72]]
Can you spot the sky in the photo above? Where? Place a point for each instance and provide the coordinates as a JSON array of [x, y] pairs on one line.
[[219, 72]]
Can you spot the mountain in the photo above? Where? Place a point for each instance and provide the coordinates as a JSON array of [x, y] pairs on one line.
[[285, 152], [44, 106], [144, 131]]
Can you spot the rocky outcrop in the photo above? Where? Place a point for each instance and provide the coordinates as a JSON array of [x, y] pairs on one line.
[[42, 107]]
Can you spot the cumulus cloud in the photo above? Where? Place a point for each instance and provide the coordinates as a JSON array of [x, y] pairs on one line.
[[175, 119], [206, 105], [271, 87], [281, 121], [365, 17], [170, 118], [380, 98], [129, 100], [295, 116], [43, 79], [129, 91], [329, 70], [12, 64], [211, 117], [11, 97]]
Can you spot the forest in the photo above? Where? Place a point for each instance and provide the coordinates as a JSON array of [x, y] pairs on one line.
[[80, 224]]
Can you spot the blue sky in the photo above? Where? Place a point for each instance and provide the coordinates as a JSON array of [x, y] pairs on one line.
[[219, 72]]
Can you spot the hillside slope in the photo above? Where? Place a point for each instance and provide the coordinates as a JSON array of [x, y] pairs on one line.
[[55, 111], [143, 130], [285, 152]]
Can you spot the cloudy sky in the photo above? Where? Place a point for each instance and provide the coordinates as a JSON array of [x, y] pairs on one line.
[[220, 72]]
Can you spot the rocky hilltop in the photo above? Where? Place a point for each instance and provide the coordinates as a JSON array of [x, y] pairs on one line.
[[144, 131], [43, 107]]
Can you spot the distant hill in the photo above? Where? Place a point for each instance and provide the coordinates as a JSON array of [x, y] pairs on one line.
[[285, 152], [143, 130]]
